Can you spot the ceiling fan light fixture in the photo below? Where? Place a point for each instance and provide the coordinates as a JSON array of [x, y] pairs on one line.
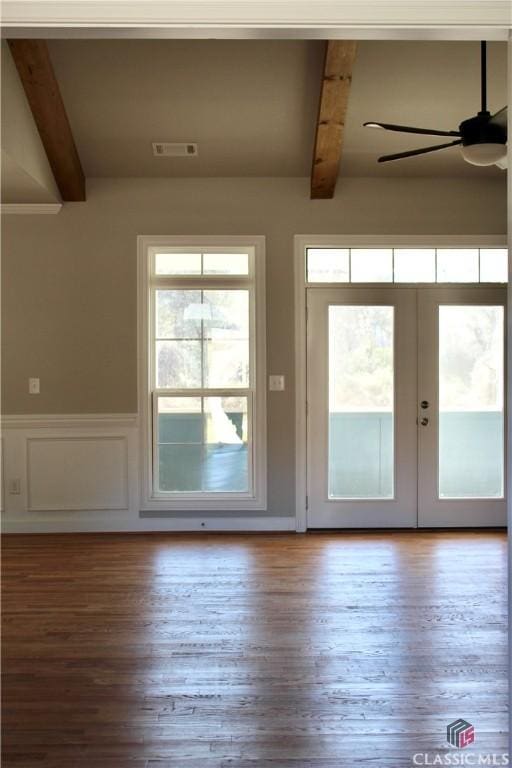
[[484, 153]]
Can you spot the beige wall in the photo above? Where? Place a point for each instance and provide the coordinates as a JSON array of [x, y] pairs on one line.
[[69, 301]]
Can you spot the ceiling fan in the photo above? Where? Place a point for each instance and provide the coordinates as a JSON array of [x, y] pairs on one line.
[[482, 138]]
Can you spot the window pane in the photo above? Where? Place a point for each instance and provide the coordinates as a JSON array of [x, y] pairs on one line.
[[219, 321], [180, 448], [226, 364], [371, 265], [203, 444], [415, 265], [361, 397], [178, 364], [226, 339], [177, 315], [177, 263], [226, 460], [226, 264], [457, 265], [180, 420], [328, 265], [493, 265], [180, 467], [471, 418]]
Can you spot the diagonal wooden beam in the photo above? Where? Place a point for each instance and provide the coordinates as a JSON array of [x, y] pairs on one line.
[[336, 81], [35, 69]]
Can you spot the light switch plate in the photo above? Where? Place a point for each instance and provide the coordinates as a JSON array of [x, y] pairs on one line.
[[276, 383], [33, 387]]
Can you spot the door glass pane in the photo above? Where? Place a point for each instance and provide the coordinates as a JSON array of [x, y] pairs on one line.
[[457, 265], [371, 265], [361, 397], [471, 415], [202, 444], [328, 265], [493, 265], [415, 265]]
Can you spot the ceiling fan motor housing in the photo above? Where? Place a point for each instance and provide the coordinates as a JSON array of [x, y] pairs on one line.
[[481, 130]]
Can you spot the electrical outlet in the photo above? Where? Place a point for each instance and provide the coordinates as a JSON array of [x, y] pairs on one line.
[[14, 486], [33, 387]]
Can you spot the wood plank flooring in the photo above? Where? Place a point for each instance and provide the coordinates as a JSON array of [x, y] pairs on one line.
[[285, 651]]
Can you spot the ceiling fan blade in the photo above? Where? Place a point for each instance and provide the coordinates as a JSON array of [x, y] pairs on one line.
[[500, 118], [410, 129], [413, 152]]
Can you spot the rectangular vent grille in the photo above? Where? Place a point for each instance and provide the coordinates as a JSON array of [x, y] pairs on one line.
[[174, 149]]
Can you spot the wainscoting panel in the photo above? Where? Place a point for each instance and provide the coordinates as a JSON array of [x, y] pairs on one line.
[[81, 473], [77, 473]]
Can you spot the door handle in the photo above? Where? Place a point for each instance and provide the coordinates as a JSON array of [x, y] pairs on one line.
[[424, 421]]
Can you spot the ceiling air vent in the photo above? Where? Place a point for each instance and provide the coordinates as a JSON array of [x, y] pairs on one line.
[[174, 149]]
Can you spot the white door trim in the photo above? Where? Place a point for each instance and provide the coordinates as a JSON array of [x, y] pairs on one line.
[[301, 242]]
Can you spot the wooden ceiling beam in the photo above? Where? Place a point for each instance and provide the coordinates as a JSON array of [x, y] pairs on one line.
[[336, 81], [35, 69]]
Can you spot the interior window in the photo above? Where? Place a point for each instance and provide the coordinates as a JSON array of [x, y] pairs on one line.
[[204, 364]]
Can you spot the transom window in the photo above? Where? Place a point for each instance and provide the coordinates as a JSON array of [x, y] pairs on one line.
[[205, 392], [406, 265]]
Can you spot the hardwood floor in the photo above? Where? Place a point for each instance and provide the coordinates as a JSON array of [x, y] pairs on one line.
[[322, 650]]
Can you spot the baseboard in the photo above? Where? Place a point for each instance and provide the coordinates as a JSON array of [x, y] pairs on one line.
[[178, 525]]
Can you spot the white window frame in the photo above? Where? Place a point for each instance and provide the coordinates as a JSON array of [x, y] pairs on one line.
[[256, 497]]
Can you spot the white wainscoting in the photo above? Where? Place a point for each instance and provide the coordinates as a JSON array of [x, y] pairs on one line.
[[77, 473], [81, 473]]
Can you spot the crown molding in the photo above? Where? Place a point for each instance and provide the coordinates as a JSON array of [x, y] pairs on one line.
[[30, 208], [460, 19]]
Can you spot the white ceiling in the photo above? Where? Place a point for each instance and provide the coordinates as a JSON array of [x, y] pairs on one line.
[[251, 105]]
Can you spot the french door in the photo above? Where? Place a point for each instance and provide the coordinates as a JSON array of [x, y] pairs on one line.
[[406, 415]]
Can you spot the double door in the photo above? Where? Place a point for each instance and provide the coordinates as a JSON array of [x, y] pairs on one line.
[[406, 411]]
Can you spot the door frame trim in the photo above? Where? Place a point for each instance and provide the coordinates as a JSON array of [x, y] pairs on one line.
[[301, 242]]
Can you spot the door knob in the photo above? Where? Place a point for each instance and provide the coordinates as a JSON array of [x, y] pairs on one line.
[[424, 404], [424, 421]]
